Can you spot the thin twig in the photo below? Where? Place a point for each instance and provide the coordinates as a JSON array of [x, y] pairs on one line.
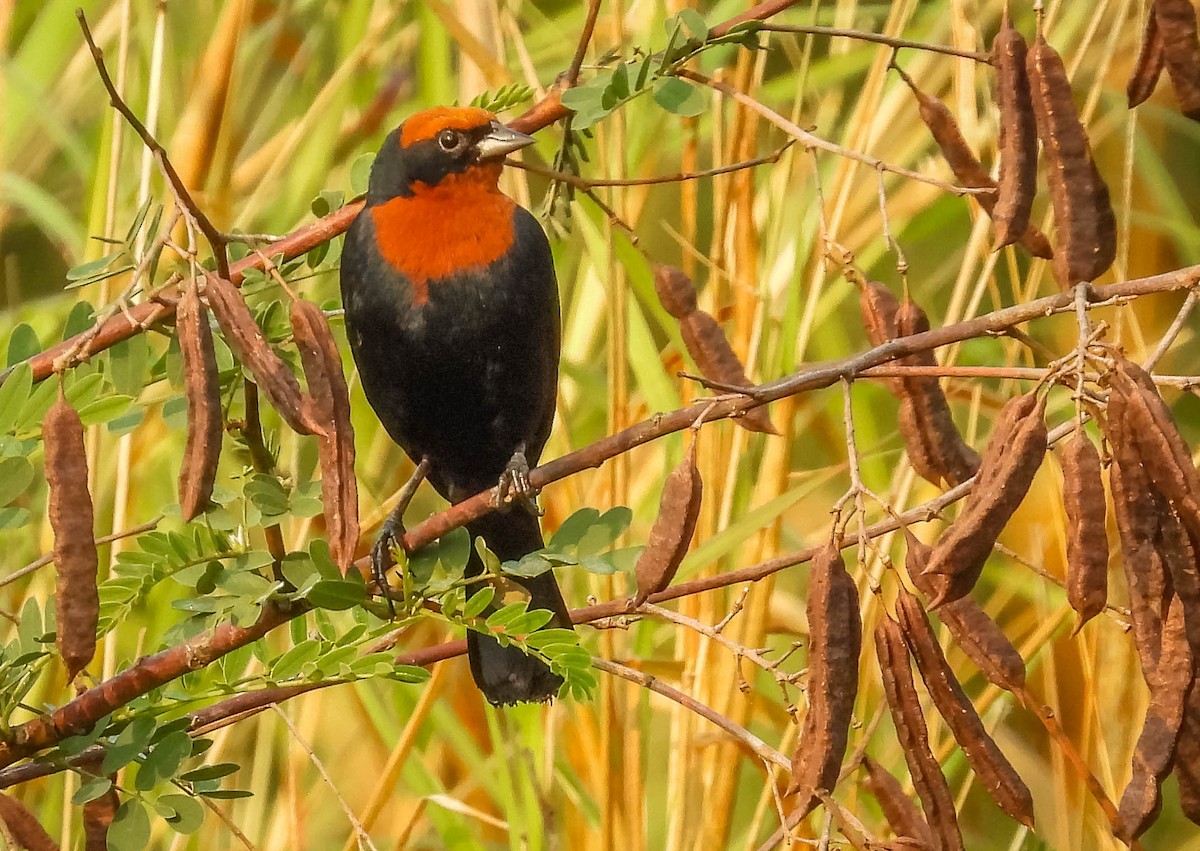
[[107, 539], [877, 38], [594, 182]]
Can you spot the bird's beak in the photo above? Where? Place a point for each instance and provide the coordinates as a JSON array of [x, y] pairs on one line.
[[500, 141]]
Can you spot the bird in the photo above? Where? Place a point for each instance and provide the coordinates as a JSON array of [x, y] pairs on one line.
[[452, 314]]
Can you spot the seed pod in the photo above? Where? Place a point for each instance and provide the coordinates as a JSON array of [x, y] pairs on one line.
[[328, 395], [247, 341], [709, 348], [835, 640], [202, 387], [879, 307], [1006, 472], [25, 830], [1149, 65], [963, 163], [675, 290], [1176, 20], [991, 766], [928, 428], [974, 632], [901, 813], [1087, 540], [671, 534], [77, 602], [1017, 183], [1187, 754], [905, 708], [98, 813], [1179, 557], [1162, 450], [1155, 749], [1083, 212]]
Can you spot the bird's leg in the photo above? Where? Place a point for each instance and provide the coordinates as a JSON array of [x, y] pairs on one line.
[[514, 485], [392, 531]]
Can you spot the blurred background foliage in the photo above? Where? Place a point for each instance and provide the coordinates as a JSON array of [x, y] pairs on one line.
[[265, 105]]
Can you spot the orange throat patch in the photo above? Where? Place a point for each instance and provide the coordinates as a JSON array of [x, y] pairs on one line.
[[462, 224]]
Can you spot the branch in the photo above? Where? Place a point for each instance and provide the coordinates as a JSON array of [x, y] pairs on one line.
[[539, 116], [878, 38]]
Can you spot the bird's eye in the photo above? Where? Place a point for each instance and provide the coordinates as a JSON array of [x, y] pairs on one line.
[[448, 140]]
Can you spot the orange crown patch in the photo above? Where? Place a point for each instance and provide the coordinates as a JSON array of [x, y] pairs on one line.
[[426, 124]]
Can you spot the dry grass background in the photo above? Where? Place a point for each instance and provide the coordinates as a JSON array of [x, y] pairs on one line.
[[262, 106]]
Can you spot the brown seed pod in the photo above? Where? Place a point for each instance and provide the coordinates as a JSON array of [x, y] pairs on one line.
[[1149, 65], [963, 163], [25, 830], [1178, 554], [328, 395], [901, 813], [709, 348], [671, 534], [247, 341], [974, 632], [1152, 758], [1176, 21], [98, 813], [675, 290], [927, 425], [905, 707], [77, 602], [1187, 753], [1087, 540], [1162, 450], [1017, 183], [879, 307], [835, 640], [1083, 212], [202, 387], [1006, 472], [991, 766]]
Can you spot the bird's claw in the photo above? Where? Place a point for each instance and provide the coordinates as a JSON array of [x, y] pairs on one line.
[[382, 560], [514, 486]]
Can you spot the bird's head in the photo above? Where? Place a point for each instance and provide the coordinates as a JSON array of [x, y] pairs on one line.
[[464, 142]]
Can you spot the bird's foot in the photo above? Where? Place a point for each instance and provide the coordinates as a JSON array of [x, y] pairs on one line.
[[514, 486], [382, 560]]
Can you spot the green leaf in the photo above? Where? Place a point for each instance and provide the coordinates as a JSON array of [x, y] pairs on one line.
[[479, 601], [129, 361], [608, 527], [529, 566], [168, 755], [104, 410], [210, 772], [679, 97], [267, 495], [89, 270], [693, 23], [22, 344], [571, 531], [500, 618], [14, 393], [529, 622], [91, 790], [328, 201], [289, 664], [360, 173], [15, 476], [336, 594], [226, 794], [130, 830], [182, 812]]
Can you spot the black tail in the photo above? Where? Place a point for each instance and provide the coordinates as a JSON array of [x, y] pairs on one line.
[[505, 674]]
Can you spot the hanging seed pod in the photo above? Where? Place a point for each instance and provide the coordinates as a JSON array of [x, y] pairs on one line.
[[675, 290], [25, 830], [879, 307], [905, 707], [247, 341], [1017, 183], [902, 814], [991, 766], [1179, 557], [1176, 21], [671, 534], [1006, 472], [1155, 749], [930, 434], [1149, 65], [77, 602], [963, 163], [1187, 753], [974, 632], [709, 348], [202, 386], [98, 813], [1083, 214], [1163, 452], [327, 393], [1087, 540], [835, 640]]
